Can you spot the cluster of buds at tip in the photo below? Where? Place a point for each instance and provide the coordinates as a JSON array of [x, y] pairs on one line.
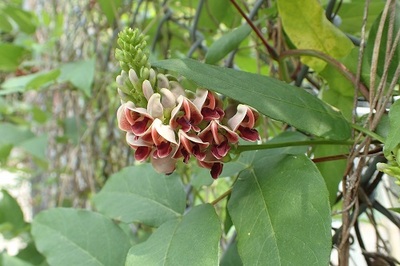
[[165, 124]]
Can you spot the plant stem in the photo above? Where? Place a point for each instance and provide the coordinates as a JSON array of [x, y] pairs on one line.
[[224, 195], [368, 132], [269, 48], [266, 146]]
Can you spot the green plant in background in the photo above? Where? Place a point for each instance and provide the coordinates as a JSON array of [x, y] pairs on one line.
[[291, 84]]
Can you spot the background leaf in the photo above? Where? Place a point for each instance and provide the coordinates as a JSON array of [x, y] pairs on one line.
[[384, 40], [393, 138], [192, 240], [79, 237], [310, 29], [269, 96], [31, 81], [11, 217], [11, 56], [140, 194], [80, 74], [25, 20], [281, 212], [110, 9], [227, 43], [351, 15]]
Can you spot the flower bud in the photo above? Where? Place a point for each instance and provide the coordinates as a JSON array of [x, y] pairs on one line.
[[162, 81], [147, 89], [154, 106], [168, 99], [133, 76]]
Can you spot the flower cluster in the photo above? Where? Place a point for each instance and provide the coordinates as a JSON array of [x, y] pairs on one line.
[[165, 123]]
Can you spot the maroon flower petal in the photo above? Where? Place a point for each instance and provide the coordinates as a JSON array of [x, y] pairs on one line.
[[220, 151], [249, 134], [163, 150], [140, 126], [216, 170], [142, 153]]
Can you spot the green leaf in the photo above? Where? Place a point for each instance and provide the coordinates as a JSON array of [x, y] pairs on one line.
[[5, 25], [231, 256], [393, 138], [31, 81], [30, 254], [384, 43], [12, 134], [36, 146], [269, 96], [307, 27], [227, 43], [11, 56], [216, 12], [25, 20], [192, 240], [332, 171], [79, 237], [351, 15], [281, 212], [80, 74], [11, 215], [110, 9], [7, 260], [139, 194]]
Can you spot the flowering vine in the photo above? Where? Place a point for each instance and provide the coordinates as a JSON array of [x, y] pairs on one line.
[[165, 124]]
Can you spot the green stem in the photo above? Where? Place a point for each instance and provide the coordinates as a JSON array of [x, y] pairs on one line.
[[368, 133], [266, 146], [224, 195]]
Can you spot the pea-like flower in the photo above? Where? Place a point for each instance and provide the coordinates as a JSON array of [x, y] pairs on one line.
[[165, 124]]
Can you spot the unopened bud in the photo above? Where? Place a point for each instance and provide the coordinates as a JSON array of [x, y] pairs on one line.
[[162, 81], [168, 99], [133, 76], [147, 89]]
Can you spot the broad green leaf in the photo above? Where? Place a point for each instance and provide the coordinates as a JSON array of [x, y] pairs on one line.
[[12, 134], [11, 216], [139, 194], [351, 15], [5, 150], [269, 96], [79, 237], [191, 240], [36, 146], [227, 43], [231, 256], [5, 25], [281, 212], [11, 56], [110, 9], [216, 12], [393, 138], [7, 260], [25, 20], [43, 79], [31, 81], [30, 254], [308, 28], [80, 74], [384, 43], [332, 171]]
